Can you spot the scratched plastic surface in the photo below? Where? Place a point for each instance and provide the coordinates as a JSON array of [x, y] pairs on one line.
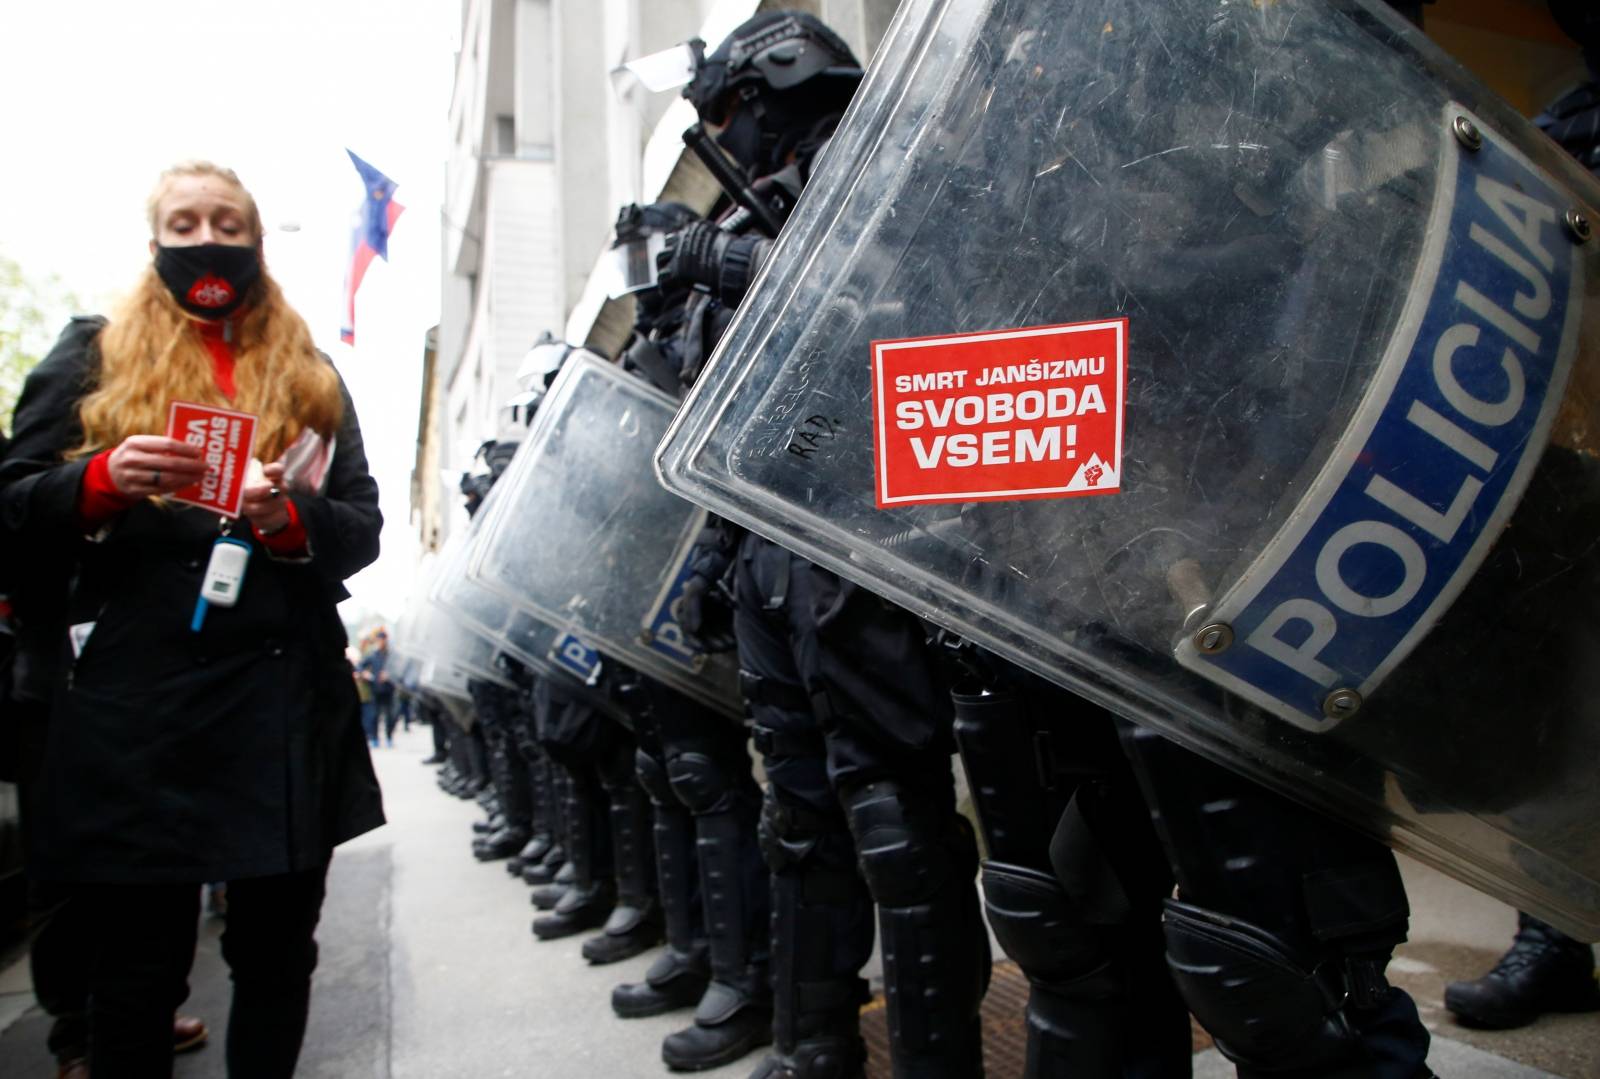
[[579, 534], [511, 629], [1275, 198], [452, 653]]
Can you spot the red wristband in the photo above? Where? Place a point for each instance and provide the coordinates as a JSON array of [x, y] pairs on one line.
[[288, 540], [98, 498]]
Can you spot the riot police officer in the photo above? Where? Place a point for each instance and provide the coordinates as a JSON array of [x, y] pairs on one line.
[[860, 806], [695, 764], [1285, 922], [602, 875], [496, 705]]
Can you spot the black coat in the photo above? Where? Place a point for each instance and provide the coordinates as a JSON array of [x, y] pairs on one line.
[[173, 755]]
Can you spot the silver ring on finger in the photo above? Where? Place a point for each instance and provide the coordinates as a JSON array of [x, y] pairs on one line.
[[155, 478]]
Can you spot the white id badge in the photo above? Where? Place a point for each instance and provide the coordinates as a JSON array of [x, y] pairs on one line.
[[225, 573]]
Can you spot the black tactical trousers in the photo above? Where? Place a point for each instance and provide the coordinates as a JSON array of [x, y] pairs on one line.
[[854, 726], [1283, 925], [704, 758], [1074, 878], [497, 708]]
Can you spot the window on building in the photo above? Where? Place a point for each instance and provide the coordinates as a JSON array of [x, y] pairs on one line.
[[505, 136]]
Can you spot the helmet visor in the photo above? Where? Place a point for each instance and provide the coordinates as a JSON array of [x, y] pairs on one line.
[[664, 70], [540, 364]]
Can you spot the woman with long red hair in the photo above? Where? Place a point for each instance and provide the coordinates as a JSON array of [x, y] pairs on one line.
[[182, 742]]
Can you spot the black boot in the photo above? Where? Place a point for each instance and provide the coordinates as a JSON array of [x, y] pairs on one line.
[[580, 909], [488, 825], [588, 902], [673, 981], [636, 925], [502, 844], [546, 896], [1545, 971], [532, 853], [546, 870], [734, 1017], [678, 977], [546, 816]]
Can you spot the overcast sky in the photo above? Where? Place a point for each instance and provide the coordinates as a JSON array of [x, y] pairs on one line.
[[100, 95]]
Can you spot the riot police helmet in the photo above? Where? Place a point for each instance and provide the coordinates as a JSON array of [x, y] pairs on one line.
[[639, 235], [777, 74]]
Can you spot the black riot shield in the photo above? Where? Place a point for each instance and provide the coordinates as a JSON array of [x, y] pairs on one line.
[[582, 537], [1235, 366]]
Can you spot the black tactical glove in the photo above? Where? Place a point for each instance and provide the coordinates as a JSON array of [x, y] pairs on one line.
[[706, 615], [692, 256]]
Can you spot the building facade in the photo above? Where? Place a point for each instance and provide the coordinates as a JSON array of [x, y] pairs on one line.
[[543, 151]]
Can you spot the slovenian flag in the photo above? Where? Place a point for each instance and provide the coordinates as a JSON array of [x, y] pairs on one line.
[[370, 236]]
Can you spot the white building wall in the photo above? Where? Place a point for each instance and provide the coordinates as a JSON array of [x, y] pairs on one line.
[[525, 288]]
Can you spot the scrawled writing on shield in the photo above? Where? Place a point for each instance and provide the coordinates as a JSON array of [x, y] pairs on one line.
[[1011, 414]]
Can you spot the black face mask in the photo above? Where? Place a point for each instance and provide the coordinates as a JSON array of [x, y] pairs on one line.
[[744, 140], [209, 280]]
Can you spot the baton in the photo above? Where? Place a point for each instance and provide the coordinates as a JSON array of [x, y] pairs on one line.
[[730, 180]]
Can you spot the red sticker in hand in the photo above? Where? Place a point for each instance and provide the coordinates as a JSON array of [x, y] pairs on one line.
[[1002, 415], [227, 439]]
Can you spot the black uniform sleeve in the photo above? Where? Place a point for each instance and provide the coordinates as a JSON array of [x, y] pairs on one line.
[[38, 491]]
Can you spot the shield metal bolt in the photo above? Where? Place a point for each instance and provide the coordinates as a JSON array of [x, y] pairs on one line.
[[646, 638], [1341, 704], [698, 663], [1467, 133], [1215, 638], [1578, 224]]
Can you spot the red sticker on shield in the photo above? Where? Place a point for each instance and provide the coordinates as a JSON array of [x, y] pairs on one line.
[[994, 416]]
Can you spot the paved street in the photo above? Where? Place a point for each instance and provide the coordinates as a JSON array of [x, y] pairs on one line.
[[429, 972]]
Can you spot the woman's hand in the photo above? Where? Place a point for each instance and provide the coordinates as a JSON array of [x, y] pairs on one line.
[[145, 465], [264, 501]]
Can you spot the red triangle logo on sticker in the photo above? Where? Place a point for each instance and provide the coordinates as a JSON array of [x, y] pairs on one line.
[[211, 291]]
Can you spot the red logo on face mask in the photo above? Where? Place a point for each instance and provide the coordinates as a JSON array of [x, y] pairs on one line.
[[211, 291]]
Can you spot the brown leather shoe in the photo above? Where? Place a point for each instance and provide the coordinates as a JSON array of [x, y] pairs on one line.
[[188, 1033], [73, 1069]]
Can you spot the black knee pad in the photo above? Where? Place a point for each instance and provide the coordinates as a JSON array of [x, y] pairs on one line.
[[1040, 927], [1265, 1005], [700, 782], [791, 835], [908, 848], [653, 778]]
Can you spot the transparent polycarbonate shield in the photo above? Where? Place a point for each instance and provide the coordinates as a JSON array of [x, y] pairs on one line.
[[1233, 365], [583, 537], [454, 651], [537, 645]]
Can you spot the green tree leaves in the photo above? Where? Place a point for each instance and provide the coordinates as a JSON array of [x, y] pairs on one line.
[[31, 311]]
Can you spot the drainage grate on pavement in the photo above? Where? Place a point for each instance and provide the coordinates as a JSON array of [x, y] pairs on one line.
[[1005, 1041]]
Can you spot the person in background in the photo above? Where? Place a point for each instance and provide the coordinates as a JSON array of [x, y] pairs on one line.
[[365, 694], [400, 713], [383, 686], [184, 746]]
